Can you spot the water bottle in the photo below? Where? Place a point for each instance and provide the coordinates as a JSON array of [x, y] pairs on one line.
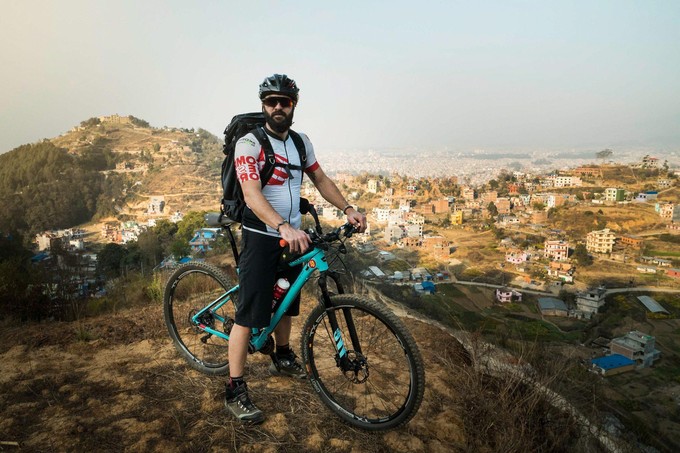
[[280, 289]]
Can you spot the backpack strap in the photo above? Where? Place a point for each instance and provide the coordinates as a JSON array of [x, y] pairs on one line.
[[269, 157], [301, 149]]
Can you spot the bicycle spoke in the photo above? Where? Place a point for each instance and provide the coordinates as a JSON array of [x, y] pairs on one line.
[[191, 293], [377, 385]]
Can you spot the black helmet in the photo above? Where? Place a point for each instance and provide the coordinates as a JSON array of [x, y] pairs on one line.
[[279, 84]]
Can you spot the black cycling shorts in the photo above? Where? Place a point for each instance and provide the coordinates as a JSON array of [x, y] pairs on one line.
[[258, 266]]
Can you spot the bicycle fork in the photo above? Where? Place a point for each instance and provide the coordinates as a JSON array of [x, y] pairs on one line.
[[351, 362]]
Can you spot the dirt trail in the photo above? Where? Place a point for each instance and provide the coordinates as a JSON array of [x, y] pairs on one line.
[[125, 388]]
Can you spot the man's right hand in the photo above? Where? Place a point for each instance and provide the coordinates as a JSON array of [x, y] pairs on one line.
[[298, 241]]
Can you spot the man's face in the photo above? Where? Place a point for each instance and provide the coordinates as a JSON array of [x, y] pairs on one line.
[[278, 112]]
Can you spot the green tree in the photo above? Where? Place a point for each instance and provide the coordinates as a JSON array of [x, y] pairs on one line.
[[191, 222], [602, 155], [90, 122], [493, 210], [581, 255], [139, 122], [180, 248], [110, 260]]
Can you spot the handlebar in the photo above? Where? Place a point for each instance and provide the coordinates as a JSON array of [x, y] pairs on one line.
[[346, 230]]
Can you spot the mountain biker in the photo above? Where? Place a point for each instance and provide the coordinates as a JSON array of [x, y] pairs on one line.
[[272, 213]]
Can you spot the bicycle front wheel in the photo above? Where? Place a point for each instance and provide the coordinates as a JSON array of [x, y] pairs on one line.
[[380, 383], [200, 288]]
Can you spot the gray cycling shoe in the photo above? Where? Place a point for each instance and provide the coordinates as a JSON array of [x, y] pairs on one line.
[[239, 405], [287, 365]]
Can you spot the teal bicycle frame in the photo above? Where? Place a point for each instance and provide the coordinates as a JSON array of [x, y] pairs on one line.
[[314, 260]]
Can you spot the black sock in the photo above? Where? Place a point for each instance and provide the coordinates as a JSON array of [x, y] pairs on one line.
[[283, 349], [235, 382]]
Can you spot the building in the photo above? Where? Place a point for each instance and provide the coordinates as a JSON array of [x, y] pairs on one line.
[[394, 233], [203, 238], [372, 186], [456, 217], [591, 301], [507, 295], [551, 306], [600, 241], [673, 272], [116, 119], [438, 246], [588, 171], [644, 197], [468, 193], [614, 194], [489, 197], [441, 205], [503, 205], [649, 162], [612, 364], [556, 250], [426, 287], [566, 181], [156, 205], [517, 257], [561, 271], [632, 241], [636, 346], [652, 305], [670, 212], [411, 242]]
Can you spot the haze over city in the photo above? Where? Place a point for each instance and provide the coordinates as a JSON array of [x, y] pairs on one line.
[[512, 76]]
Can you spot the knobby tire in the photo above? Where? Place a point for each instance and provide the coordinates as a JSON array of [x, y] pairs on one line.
[[188, 290], [388, 389]]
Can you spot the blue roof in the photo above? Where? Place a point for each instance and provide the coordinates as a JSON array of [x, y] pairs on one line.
[[610, 362]]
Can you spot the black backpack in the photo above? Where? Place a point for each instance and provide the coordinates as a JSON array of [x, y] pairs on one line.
[[233, 203]]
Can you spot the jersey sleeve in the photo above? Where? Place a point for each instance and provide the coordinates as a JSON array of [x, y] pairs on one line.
[[312, 163], [246, 156]]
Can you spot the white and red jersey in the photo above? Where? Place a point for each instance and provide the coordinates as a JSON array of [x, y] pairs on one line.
[[282, 192]]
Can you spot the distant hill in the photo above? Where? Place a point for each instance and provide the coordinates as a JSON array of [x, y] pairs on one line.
[[107, 166]]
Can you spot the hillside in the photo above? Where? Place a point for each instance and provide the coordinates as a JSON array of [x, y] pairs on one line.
[[181, 165], [104, 168], [123, 386], [116, 383]]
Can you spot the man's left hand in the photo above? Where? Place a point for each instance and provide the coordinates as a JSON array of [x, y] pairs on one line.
[[357, 219]]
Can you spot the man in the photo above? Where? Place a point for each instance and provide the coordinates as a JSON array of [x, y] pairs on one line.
[[272, 213]]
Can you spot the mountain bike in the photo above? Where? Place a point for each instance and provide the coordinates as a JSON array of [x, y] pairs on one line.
[[359, 357]]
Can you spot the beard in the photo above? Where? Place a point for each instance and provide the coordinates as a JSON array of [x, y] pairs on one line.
[[279, 124]]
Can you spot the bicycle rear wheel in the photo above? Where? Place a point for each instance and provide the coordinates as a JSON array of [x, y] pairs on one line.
[[384, 387], [190, 289]]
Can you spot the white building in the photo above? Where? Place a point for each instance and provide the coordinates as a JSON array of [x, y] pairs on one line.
[[600, 241], [556, 250], [591, 301]]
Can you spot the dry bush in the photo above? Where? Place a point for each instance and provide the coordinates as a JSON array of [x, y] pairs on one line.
[[506, 405]]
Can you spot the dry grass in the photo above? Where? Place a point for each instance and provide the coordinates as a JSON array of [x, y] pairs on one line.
[[114, 382]]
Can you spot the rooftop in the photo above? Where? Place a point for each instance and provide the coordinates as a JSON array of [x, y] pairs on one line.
[[610, 362], [652, 305]]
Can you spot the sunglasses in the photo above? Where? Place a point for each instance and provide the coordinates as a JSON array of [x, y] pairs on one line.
[[273, 101]]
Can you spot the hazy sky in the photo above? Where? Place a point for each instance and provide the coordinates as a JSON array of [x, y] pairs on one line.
[[465, 75]]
